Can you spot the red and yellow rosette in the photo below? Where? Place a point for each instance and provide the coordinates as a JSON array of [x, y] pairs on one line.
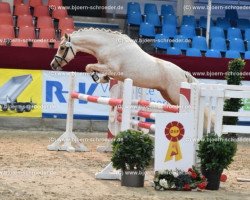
[[174, 132]]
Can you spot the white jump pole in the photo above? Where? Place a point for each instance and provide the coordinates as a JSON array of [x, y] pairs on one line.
[[64, 142], [108, 172]]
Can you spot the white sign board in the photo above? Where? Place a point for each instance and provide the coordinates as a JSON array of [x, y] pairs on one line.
[[174, 141]]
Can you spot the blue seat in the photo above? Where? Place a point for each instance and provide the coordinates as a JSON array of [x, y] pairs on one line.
[[247, 34], [133, 7], [161, 41], [223, 23], [147, 30], [173, 51], [193, 52], [237, 44], [188, 31], [234, 33], [248, 45], [216, 32], [170, 20], [219, 44], [231, 14], [134, 18], [203, 22], [232, 54], [181, 42], [169, 30], [167, 10], [153, 19], [200, 43], [243, 24], [150, 8], [247, 55], [188, 20], [212, 53]]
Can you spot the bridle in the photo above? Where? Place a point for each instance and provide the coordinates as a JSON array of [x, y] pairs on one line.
[[59, 59]]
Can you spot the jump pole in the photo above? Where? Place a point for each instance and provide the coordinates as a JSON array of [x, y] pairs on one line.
[[64, 142]]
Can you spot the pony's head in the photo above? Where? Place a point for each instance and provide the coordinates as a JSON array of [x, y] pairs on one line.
[[64, 55]]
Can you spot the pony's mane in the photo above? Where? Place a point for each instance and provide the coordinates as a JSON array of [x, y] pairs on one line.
[[97, 29]]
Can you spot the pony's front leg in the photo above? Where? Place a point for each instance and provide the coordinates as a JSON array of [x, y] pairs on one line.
[[93, 69]]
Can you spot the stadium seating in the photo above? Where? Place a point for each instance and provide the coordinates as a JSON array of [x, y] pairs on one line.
[[59, 13], [200, 43], [219, 44], [26, 32], [232, 54], [234, 33], [223, 23], [169, 20], [216, 32], [34, 3], [66, 23], [193, 52], [181, 42], [133, 7], [187, 31], [6, 19], [243, 24], [134, 18], [173, 51], [150, 8], [237, 44], [47, 33], [161, 42], [40, 11], [247, 55], [189, 20], [212, 53], [44, 22], [154, 19], [169, 30], [22, 9], [18, 2], [5, 7], [231, 14], [7, 32], [167, 10], [19, 43], [247, 34], [25, 20], [147, 30]]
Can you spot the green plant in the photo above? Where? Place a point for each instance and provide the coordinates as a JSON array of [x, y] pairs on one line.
[[216, 153], [234, 77], [132, 150]]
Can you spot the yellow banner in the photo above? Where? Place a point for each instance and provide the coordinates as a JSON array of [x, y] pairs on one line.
[[20, 93]]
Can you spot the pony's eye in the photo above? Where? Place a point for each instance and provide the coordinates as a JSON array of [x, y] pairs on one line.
[[62, 48]]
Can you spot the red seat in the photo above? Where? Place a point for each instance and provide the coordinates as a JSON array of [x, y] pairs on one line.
[[26, 32], [25, 20], [68, 31], [5, 7], [40, 11], [7, 32], [22, 9], [66, 23], [44, 22], [54, 3], [59, 14], [34, 3], [6, 19], [40, 43], [18, 2], [19, 43], [57, 44], [47, 33]]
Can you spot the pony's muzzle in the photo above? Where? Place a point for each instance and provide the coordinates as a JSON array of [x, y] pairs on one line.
[[55, 66]]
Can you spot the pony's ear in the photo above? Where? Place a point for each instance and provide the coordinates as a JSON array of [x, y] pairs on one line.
[[66, 36]]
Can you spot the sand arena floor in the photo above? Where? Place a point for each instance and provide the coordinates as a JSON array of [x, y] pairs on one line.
[[29, 172]]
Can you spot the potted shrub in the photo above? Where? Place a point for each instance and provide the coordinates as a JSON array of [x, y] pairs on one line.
[[216, 154], [132, 153]]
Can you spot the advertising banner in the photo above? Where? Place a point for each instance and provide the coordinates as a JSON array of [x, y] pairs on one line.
[[174, 141], [20, 93]]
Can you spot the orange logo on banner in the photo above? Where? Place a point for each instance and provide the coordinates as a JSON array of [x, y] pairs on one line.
[[174, 132]]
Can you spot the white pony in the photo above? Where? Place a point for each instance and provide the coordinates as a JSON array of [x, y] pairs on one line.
[[119, 57]]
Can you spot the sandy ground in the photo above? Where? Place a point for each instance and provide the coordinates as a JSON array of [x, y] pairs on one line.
[[29, 172]]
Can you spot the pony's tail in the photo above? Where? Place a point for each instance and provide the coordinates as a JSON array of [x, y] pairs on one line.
[[190, 78]]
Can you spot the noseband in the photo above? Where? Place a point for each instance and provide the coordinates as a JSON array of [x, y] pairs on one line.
[[59, 59]]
